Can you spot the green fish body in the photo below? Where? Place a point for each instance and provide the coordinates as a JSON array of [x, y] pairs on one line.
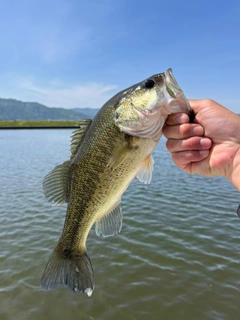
[[107, 153]]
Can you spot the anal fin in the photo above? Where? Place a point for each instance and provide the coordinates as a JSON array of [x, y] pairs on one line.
[[111, 223]]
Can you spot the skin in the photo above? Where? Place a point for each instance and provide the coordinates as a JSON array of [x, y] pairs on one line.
[[211, 145]]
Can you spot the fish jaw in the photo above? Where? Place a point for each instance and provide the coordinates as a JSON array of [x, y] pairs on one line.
[[177, 102], [146, 120]]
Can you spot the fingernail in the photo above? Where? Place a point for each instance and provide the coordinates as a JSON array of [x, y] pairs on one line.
[[198, 131], [206, 143]]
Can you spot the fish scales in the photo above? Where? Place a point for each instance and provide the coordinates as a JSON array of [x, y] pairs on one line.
[[94, 183], [107, 154]]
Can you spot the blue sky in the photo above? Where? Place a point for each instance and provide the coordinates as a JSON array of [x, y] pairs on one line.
[[74, 53]]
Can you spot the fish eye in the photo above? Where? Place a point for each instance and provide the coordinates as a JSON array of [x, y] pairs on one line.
[[149, 84]]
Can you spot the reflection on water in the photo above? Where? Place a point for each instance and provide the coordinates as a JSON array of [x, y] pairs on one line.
[[177, 255]]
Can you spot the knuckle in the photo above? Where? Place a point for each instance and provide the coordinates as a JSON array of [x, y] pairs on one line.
[[184, 130], [170, 119], [192, 143], [208, 101]]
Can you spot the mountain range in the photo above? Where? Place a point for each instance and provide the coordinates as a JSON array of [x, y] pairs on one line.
[[11, 109]]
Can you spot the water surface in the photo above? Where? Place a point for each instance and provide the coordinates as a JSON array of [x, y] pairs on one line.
[[177, 256]]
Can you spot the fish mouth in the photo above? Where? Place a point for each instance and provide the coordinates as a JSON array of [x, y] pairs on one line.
[[150, 121], [171, 98], [171, 84], [177, 102]]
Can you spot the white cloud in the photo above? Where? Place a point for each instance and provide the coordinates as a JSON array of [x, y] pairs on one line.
[[56, 94]]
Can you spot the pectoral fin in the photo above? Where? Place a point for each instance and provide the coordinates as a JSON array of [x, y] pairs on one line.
[[119, 156], [111, 223], [145, 173]]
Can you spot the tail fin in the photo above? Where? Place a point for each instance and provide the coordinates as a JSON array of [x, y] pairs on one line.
[[74, 272]]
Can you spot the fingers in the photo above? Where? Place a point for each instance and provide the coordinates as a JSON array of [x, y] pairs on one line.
[[183, 158], [189, 144], [189, 151], [177, 118], [183, 131], [186, 141], [189, 161], [177, 126]]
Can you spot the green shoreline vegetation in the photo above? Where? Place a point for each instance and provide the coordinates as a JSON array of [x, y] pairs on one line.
[[40, 123]]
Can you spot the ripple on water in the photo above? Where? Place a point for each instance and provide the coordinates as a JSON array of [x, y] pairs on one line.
[[177, 254]]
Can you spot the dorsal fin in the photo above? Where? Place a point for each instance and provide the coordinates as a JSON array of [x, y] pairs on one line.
[[56, 184], [78, 136]]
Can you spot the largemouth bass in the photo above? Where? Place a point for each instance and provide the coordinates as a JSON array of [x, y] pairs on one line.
[[107, 153]]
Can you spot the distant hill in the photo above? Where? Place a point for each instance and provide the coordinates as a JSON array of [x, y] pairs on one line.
[[11, 109], [90, 112]]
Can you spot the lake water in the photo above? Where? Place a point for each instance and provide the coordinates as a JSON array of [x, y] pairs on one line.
[[177, 256]]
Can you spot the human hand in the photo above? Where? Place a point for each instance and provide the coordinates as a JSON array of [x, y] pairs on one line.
[[210, 146]]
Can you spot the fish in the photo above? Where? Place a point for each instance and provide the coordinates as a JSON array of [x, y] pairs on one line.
[[107, 153]]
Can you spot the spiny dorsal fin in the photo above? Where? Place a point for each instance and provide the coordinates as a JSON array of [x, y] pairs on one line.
[[111, 223], [145, 173], [56, 184], [78, 136]]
